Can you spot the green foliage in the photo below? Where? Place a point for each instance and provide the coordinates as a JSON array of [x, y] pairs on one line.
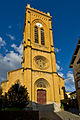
[[12, 109], [0, 93], [4, 101], [62, 106], [17, 96], [0, 99]]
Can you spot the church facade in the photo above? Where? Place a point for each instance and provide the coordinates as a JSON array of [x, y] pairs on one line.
[[38, 72]]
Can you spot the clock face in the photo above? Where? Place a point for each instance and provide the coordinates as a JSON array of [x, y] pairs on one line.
[[39, 25]]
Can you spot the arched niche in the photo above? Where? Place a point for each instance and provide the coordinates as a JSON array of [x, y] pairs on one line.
[[42, 82]]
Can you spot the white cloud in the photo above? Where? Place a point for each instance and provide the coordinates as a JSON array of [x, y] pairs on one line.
[[70, 78], [69, 81], [6, 50], [9, 26], [9, 62], [10, 36], [12, 58], [18, 49], [2, 42], [57, 67], [61, 74], [70, 88], [58, 61], [57, 50]]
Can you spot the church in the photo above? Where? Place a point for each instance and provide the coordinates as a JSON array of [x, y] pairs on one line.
[[38, 73]]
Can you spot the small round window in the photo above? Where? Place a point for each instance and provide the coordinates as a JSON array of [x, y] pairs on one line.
[[41, 62]]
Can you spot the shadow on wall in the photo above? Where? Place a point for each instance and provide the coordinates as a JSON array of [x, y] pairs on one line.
[[19, 115], [44, 119]]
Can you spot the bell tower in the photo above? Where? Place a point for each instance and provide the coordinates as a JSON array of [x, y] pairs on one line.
[[39, 63]]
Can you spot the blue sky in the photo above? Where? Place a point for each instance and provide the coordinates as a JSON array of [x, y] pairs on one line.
[[66, 31]]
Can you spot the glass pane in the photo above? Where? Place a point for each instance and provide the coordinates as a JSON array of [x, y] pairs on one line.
[[42, 37], [36, 34]]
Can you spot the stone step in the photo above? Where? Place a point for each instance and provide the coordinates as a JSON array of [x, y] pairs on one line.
[[45, 108]]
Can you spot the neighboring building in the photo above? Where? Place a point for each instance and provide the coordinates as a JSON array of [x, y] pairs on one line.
[[68, 94], [73, 95], [75, 64], [38, 72]]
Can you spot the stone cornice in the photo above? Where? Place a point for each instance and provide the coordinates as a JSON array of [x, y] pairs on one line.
[[39, 49], [40, 71], [40, 12]]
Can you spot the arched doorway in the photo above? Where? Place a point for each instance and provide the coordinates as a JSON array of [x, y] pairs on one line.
[[42, 89], [41, 96]]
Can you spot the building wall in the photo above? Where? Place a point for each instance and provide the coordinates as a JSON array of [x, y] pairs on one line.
[[33, 50], [62, 87], [76, 69], [12, 78], [68, 94], [31, 74]]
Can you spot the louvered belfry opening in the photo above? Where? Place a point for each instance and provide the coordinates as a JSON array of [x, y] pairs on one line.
[[42, 37], [36, 34]]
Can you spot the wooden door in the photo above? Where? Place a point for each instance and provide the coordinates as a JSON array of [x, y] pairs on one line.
[[41, 96]]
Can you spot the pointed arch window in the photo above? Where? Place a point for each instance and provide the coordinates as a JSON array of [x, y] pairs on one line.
[[36, 34], [42, 37]]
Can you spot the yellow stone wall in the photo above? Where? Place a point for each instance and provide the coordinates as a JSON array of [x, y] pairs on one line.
[[62, 87], [30, 75], [12, 78]]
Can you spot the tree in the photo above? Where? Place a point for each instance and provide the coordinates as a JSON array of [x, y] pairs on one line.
[[17, 96], [0, 98]]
